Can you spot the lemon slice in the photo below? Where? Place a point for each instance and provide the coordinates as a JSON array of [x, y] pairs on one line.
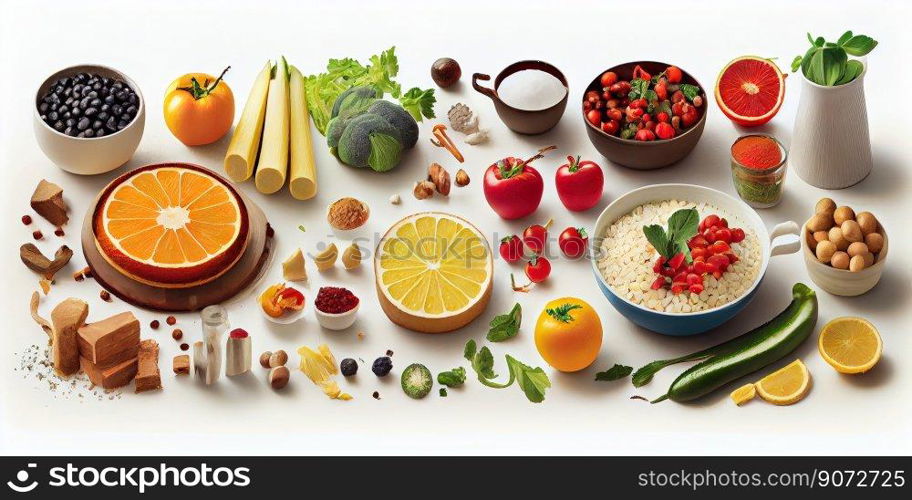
[[433, 272], [850, 344], [785, 386], [743, 394]]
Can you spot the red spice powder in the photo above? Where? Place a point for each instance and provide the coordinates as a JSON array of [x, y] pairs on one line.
[[335, 300], [757, 152]]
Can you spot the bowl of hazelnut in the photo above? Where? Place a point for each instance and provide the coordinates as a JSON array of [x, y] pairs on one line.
[[844, 251]]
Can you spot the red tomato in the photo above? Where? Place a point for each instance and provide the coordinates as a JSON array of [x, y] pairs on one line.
[[639, 72], [579, 184], [673, 74], [513, 188], [535, 237], [609, 78], [573, 242], [664, 130], [594, 116], [511, 248], [538, 269]]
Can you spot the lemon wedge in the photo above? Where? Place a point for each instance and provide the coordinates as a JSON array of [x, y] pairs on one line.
[[850, 345], [433, 272], [743, 394], [785, 386]]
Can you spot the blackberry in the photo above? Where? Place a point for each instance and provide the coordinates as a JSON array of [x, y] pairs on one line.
[[382, 366]]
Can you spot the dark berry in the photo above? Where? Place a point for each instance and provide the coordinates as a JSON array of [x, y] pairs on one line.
[[382, 366], [348, 367]]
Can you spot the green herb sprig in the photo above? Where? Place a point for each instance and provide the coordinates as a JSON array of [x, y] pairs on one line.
[[828, 64], [453, 378], [505, 326], [532, 381], [682, 226], [616, 372]]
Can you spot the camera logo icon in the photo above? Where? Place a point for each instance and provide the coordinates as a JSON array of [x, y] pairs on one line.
[[21, 485]]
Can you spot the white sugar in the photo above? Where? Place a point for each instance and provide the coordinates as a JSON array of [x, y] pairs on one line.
[[531, 90]]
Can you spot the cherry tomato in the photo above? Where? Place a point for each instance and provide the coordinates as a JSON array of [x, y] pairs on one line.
[[690, 116], [639, 72], [620, 89], [614, 114], [511, 248], [674, 74], [538, 269], [610, 127], [678, 96], [579, 183], [709, 221], [661, 91], [737, 235], [573, 242], [664, 130], [662, 117], [594, 117], [535, 237], [724, 234], [609, 78], [645, 135]]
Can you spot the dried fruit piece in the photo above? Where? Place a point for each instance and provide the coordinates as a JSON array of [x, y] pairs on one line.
[[326, 259], [351, 258], [36, 261], [440, 178], [293, 269], [47, 200]]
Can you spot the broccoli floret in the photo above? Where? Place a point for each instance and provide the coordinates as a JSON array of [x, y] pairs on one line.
[[370, 141], [399, 118], [355, 100], [334, 130]]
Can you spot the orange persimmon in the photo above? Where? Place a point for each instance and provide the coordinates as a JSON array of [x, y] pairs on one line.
[[199, 108]]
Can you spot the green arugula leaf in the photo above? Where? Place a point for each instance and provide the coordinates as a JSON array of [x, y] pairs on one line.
[[505, 326], [859, 45], [532, 381], [453, 378], [483, 364], [419, 103], [616, 372], [690, 91]]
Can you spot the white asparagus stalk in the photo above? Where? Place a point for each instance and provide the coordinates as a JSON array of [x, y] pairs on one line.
[[245, 141], [302, 171], [238, 353], [272, 165]]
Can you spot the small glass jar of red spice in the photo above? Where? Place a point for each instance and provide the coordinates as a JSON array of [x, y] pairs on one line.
[[758, 169]]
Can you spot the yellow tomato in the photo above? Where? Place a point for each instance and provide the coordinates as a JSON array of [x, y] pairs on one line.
[[199, 108], [568, 334]]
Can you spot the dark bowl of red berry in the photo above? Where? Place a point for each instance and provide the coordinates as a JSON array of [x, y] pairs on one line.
[[644, 115], [89, 119]]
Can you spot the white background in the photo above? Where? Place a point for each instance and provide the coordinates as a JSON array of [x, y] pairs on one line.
[[156, 42]]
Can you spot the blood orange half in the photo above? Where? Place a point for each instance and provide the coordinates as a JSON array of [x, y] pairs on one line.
[[750, 90], [170, 225]]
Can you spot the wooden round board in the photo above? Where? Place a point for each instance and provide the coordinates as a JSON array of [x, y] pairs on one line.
[[222, 289]]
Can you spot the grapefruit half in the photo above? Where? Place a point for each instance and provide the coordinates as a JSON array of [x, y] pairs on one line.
[[750, 90]]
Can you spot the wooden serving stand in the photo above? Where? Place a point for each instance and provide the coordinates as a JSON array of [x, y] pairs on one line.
[[249, 267]]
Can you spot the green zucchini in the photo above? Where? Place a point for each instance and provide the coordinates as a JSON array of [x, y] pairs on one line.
[[741, 355]]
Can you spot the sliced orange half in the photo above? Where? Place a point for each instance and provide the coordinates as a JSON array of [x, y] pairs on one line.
[[433, 272], [170, 225]]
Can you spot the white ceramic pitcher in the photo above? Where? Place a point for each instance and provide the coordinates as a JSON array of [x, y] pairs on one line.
[[831, 146]]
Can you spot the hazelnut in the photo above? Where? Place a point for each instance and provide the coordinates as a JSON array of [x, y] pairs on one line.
[[857, 248], [843, 214], [278, 358], [820, 222], [840, 260], [424, 190], [825, 206], [875, 242], [278, 377], [264, 359], [851, 231], [835, 235], [177, 334], [857, 263], [867, 221], [462, 178], [825, 250]]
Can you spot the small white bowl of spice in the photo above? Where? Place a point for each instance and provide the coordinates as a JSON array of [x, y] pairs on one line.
[[336, 308], [845, 252]]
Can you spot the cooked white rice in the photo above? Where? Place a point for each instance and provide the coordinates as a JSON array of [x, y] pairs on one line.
[[627, 257]]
